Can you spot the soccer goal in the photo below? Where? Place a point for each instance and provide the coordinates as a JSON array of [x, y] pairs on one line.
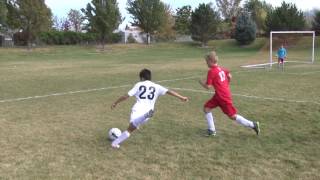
[[298, 44]]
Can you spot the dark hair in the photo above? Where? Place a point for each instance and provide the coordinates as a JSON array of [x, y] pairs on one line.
[[145, 74]]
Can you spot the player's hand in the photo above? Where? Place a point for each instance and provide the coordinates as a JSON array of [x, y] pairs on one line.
[[185, 99], [113, 106], [204, 84], [201, 82], [229, 77]]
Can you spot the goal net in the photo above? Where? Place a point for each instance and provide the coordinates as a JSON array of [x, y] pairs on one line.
[[299, 46]]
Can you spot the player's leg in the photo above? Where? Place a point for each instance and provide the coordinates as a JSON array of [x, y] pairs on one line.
[[136, 121], [210, 121], [231, 111], [209, 117], [124, 135], [243, 121], [247, 123], [282, 64]]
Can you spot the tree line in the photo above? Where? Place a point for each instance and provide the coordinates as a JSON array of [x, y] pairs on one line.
[[33, 21]]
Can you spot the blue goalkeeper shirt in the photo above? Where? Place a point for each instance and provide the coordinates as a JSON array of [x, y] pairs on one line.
[[282, 53]]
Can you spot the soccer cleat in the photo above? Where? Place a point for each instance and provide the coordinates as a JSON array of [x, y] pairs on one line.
[[115, 146], [211, 133], [256, 127]]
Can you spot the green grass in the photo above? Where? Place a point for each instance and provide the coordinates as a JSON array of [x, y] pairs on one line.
[[65, 137]]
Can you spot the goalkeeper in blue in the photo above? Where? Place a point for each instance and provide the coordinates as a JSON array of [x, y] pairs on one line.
[[282, 55]]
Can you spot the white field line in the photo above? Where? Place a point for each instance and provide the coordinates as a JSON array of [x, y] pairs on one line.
[[302, 74], [311, 72], [61, 94], [249, 96], [265, 64], [168, 80], [85, 91], [255, 65]]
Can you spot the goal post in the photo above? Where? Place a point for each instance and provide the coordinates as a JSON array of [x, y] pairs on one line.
[[300, 46], [311, 60]]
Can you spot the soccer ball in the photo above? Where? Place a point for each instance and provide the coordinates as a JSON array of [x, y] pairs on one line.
[[114, 133]]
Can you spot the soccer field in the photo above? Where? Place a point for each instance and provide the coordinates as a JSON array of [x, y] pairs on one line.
[[55, 115]]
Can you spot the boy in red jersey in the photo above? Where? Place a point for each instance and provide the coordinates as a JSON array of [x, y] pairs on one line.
[[219, 79]]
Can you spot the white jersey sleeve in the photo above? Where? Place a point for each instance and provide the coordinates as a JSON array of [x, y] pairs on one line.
[[161, 90], [134, 90]]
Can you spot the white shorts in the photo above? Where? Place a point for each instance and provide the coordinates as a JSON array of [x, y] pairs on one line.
[[138, 118]]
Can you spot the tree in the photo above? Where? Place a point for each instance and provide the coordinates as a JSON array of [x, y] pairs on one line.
[[66, 25], [3, 14], [31, 16], [316, 23], [61, 24], [228, 8], [76, 19], [183, 20], [204, 23], [103, 17], [308, 17], [149, 15], [285, 18], [166, 31], [57, 23], [258, 10], [245, 32]]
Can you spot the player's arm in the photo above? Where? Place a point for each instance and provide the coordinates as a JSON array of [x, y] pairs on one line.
[[120, 99], [205, 85], [229, 77], [175, 94], [285, 53]]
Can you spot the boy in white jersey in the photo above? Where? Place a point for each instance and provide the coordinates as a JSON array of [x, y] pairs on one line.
[[146, 93]]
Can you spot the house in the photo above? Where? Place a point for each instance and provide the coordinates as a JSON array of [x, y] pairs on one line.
[[6, 40], [183, 38], [133, 34]]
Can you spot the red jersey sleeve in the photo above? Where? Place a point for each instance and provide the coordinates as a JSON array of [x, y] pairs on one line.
[[209, 78], [226, 71]]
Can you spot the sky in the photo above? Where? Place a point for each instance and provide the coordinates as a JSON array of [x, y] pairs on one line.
[[60, 8]]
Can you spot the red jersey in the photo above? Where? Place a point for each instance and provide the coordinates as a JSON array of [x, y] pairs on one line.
[[218, 77]]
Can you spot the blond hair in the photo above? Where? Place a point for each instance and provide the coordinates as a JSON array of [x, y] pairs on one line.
[[212, 56]]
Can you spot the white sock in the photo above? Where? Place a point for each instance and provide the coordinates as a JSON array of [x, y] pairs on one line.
[[125, 135], [243, 121], [210, 121]]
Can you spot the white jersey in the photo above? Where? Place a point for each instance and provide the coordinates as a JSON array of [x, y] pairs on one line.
[[146, 93]]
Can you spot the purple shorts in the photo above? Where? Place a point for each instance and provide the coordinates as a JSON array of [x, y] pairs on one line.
[[280, 60]]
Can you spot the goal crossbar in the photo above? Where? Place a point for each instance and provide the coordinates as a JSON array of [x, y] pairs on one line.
[[291, 32]]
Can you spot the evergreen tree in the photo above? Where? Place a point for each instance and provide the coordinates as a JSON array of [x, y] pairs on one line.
[[316, 23], [245, 32], [149, 15], [3, 14], [285, 18], [103, 17], [204, 23], [183, 20]]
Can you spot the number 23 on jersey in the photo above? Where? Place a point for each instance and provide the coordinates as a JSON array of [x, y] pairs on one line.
[[147, 92]]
